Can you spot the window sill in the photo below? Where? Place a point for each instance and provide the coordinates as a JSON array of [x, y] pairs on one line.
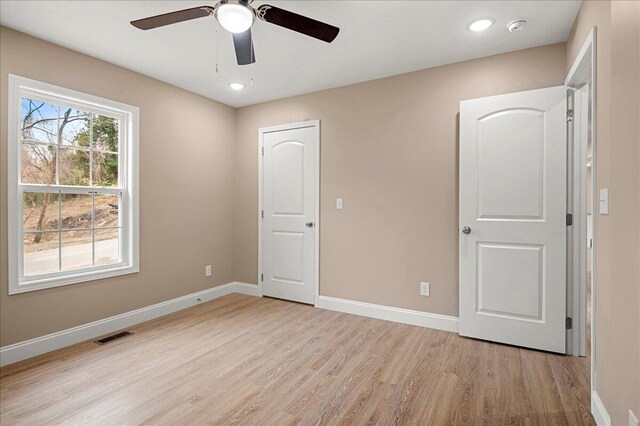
[[80, 276]]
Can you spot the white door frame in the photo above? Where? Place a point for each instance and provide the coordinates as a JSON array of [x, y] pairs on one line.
[[316, 229], [583, 70]]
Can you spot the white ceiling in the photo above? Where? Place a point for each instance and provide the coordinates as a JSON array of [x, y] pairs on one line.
[[377, 39]]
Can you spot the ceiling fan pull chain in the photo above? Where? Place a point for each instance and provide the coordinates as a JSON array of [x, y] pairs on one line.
[[217, 71]]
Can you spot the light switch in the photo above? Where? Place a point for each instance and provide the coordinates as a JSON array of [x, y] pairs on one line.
[[339, 203], [424, 289], [604, 201]]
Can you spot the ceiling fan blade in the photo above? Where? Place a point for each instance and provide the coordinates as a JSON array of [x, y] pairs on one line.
[[172, 17], [299, 23], [244, 48]]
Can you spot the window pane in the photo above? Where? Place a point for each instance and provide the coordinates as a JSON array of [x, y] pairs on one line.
[[107, 246], [74, 127], [39, 211], [107, 208], [40, 253], [38, 164], [77, 249], [74, 167], [105, 169], [76, 211], [39, 121], [105, 133]]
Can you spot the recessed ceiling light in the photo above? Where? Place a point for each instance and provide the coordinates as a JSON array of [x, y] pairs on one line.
[[236, 86], [480, 25]]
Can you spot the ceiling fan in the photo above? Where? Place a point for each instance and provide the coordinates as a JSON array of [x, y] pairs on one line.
[[237, 17]]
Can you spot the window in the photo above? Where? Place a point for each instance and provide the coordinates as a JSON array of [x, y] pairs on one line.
[[73, 208]]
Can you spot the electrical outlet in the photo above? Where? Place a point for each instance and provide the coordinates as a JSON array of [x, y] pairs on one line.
[[424, 289], [339, 203], [207, 271]]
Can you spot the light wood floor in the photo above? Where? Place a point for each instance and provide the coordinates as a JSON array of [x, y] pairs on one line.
[[246, 360]]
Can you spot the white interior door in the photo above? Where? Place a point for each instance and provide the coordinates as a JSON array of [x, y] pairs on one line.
[[289, 212], [513, 162]]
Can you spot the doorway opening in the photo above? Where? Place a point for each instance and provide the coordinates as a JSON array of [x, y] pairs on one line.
[[581, 248]]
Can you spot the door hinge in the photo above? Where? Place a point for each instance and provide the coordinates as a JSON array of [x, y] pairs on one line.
[[569, 219], [569, 323], [570, 115], [262, 214], [263, 151], [261, 277]]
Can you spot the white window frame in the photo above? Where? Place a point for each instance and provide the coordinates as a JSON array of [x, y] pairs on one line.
[[128, 117]]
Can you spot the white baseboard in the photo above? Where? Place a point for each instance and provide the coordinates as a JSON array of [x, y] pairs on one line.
[[40, 345], [389, 313], [598, 411], [249, 289]]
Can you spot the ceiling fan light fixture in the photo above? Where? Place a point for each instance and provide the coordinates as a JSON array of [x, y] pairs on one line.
[[480, 25], [235, 17]]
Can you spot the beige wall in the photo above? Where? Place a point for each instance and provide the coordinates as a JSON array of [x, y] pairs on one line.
[[389, 149], [186, 163], [617, 270], [621, 335]]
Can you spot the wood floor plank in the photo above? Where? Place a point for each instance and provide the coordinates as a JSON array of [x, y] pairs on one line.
[[260, 361]]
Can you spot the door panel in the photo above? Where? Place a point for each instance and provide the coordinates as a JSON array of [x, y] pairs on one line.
[[288, 256], [518, 161], [499, 266], [289, 197], [513, 199], [287, 163]]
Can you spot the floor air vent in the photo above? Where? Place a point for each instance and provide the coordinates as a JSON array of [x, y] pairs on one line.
[[113, 337]]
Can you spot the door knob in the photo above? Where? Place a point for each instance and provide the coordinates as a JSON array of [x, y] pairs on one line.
[[466, 230], [309, 224]]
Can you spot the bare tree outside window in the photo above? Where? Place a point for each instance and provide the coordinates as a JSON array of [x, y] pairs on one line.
[[66, 146]]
